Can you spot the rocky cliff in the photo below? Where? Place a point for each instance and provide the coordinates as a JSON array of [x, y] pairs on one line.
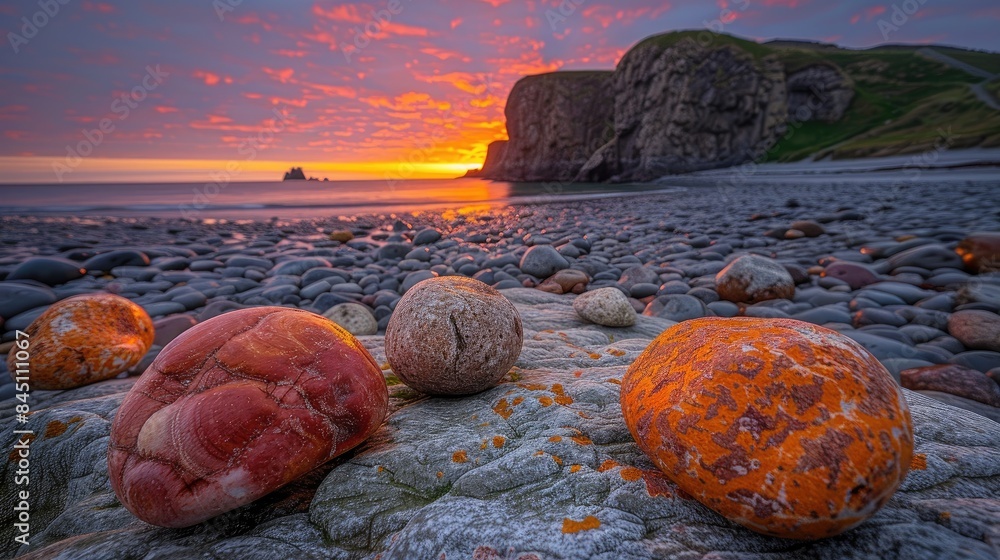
[[685, 107], [555, 122], [690, 100]]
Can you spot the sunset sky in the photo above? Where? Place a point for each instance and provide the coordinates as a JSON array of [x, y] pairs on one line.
[[328, 86]]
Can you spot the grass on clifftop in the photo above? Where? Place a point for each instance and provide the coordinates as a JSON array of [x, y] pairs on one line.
[[903, 103]]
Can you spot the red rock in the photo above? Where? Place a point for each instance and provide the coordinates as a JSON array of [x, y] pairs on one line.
[[85, 339], [566, 281], [855, 275], [953, 379], [980, 252], [784, 427], [235, 408], [753, 279]]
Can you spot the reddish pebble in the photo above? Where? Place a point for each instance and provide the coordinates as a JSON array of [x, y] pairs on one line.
[[235, 408], [84, 339]]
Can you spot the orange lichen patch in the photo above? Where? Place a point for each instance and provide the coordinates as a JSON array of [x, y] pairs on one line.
[[944, 516], [459, 456], [615, 380], [594, 356], [503, 409], [561, 397], [583, 415], [578, 373], [380, 469], [574, 468], [630, 474], [607, 465], [85, 339], [483, 445], [616, 352], [440, 474], [74, 420], [582, 440], [557, 459], [55, 428], [789, 429], [555, 439], [385, 366], [498, 441], [919, 462], [545, 401], [532, 386], [517, 401], [588, 523]]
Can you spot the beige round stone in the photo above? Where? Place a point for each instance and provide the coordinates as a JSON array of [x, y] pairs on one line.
[[453, 336], [605, 306], [353, 318]]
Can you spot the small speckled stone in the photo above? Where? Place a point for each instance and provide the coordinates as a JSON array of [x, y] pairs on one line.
[[752, 279], [605, 306], [789, 429], [85, 339], [354, 318], [453, 336]]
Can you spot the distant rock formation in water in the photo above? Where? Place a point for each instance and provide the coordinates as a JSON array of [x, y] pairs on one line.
[[295, 174]]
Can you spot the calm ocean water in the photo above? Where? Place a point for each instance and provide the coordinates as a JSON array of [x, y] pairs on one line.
[[292, 199]]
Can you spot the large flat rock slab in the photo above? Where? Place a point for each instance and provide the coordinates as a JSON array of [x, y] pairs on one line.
[[541, 466]]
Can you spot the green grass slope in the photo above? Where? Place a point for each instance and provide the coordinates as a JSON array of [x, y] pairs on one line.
[[904, 102]]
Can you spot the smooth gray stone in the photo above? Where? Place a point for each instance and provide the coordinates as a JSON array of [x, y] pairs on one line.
[[413, 278], [985, 410], [104, 262], [17, 297], [51, 271], [885, 348], [677, 307], [315, 289], [192, 300], [826, 314], [298, 266], [426, 236], [980, 360], [245, 261], [393, 251], [164, 308], [724, 308], [644, 290], [542, 261]]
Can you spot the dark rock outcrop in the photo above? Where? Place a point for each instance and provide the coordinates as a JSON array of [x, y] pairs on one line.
[[683, 107], [295, 174], [820, 92], [555, 122], [494, 157]]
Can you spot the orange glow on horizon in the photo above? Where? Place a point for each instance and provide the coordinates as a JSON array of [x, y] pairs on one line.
[[39, 170]]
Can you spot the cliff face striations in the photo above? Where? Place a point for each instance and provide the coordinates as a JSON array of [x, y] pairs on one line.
[[555, 122], [684, 107]]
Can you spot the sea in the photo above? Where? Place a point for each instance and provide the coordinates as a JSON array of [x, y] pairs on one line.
[[293, 199]]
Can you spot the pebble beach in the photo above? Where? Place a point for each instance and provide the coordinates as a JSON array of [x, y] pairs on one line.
[[594, 281]]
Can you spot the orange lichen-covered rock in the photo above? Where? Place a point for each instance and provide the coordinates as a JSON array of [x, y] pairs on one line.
[[84, 339], [235, 408], [786, 428]]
